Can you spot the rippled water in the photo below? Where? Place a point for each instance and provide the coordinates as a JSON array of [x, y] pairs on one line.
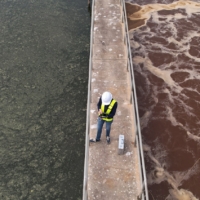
[[165, 38], [44, 50]]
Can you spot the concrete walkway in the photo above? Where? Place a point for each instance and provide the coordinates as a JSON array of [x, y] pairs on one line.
[[111, 176]]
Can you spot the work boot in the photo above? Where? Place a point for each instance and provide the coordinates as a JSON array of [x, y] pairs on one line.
[[93, 140], [108, 140]]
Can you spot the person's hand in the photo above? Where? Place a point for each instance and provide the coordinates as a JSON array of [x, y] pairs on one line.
[[99, 112]]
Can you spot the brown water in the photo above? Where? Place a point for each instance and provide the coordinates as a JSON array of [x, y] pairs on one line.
[[165, 38]]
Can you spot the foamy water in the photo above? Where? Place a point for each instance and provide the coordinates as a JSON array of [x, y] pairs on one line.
[[166, 57]]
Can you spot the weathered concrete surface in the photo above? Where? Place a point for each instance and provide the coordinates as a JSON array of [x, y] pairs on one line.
[[106, 52], [111, 176]]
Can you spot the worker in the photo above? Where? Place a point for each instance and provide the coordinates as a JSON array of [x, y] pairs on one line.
[[107, 107]]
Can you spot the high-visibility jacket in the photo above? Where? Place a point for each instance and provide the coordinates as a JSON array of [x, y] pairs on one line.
[[108, 110]]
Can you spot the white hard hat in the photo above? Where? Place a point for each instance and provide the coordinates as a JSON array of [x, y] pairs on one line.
[[106, 98]]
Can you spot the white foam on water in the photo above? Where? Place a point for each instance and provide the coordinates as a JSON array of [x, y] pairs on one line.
[[146, 147], [171, 118], [185, 175], [159, 174], [145, 119], [169, 94], [194, 137], [147, 10], [180, 195], [165, 75]]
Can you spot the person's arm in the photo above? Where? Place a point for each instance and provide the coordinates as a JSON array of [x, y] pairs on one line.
[[113, 111], [99, 106]]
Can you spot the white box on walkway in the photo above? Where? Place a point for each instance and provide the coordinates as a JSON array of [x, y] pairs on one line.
[[121, 145]]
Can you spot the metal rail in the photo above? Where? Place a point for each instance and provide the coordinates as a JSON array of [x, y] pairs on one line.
[[85, 178], [138, 139]]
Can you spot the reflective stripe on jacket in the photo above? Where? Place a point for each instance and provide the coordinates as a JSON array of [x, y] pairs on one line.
[[108, 110]]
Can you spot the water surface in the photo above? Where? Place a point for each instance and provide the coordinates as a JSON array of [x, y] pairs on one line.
[[44, 55]]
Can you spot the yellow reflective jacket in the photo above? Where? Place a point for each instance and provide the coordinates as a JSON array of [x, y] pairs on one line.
[[108, 110]]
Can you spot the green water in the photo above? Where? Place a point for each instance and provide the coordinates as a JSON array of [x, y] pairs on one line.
[[44, 53]]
